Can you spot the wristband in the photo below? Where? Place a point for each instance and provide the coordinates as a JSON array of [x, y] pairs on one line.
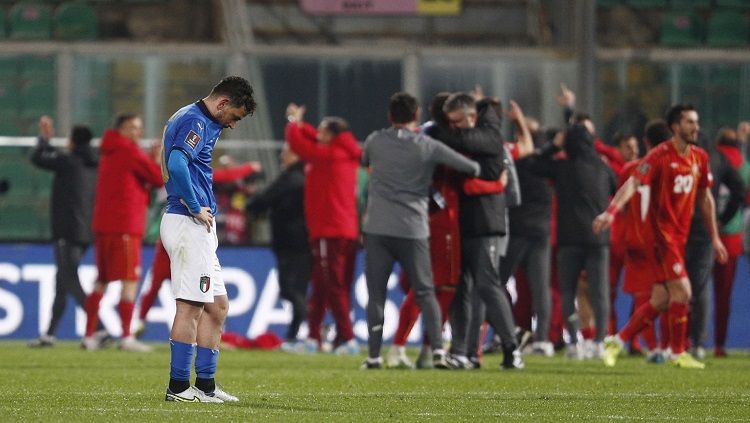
[[612, 209]]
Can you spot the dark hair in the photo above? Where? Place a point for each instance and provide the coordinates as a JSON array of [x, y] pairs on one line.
[[674, 114], [335, 125], [238, 90], [493, 102], [621, 137], [436, 107], [580, 117], [458, 101], [403, 107], [81, 135], [656, 132], [123, 118]]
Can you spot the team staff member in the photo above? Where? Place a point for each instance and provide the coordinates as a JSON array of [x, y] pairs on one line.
[[676, 172], [284, 199], [331, 155], [188, 232], [126, 176], [396, 225], [72, 205]]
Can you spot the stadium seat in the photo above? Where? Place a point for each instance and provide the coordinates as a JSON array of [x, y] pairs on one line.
[[690, 4], [76, 20], [37, 98], [35, 68], [2, 24], [743, 4], [610, 3], [30, 20], [645, 4], [682, 29], [727, 28]]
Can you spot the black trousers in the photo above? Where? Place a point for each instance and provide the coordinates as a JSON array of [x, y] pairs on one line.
[[68, 256], [294, 276]]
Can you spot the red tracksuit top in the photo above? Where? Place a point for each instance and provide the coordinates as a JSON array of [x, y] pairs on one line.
[[330, 197], [126, 176]]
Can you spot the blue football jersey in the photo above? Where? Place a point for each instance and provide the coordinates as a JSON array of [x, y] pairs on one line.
[[193, 131]]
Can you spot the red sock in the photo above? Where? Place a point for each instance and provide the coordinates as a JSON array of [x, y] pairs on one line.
[[649, 332], [587, 333], [126, 315], [664, 336], [642, 317], [91, 306], [678, 318], [407, 316]]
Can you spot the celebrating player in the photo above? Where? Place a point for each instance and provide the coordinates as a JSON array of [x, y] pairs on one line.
[[676, 173]]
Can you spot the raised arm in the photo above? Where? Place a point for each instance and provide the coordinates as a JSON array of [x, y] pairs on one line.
[[44, 155], [622, 196], [525, 143]]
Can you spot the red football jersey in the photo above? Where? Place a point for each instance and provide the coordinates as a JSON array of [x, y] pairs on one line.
[[630, 226], [673, 180]]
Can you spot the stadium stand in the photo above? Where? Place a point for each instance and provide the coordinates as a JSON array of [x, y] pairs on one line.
[[30, 20], [727, 28], [681, 29], [76, 20]]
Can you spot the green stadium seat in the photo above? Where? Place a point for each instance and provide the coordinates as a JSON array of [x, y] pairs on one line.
[[34, 68], [76, 20], [727, 28], [2, 24], [30, 20], [681, 29], [37, 98], [690, 4], [743, 4], [645, 4]]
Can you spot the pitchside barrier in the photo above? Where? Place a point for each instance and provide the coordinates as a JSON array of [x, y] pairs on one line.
[[27, 286]]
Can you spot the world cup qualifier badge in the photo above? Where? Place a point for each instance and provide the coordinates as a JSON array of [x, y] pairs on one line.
[[192, 139], [205, 284]]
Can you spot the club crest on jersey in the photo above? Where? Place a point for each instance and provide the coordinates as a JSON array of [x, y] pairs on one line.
[[192, 139], [677, 268], [643, 168], [205, 284]]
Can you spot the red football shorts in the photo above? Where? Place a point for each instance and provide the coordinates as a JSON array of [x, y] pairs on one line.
[[118, 257], [671, 259], [641, 271]]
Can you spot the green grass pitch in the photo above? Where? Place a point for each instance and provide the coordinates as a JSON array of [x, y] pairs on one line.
[[65, 383]]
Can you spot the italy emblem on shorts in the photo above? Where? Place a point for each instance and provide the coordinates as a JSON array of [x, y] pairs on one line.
[[205, 284]]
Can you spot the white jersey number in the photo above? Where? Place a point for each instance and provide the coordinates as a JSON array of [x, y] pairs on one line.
[[683, 184]]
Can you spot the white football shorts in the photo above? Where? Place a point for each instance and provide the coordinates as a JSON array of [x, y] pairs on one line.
[[196, 272]]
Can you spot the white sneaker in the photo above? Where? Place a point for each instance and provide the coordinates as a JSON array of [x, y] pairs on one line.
[[132, 344], [699, 353], [397, 358], [140, 329], [310, 346], [543, 348], [103, 338], [597, 350], [350, 347], [220, 394], [575, 352], [191, 394], [90, 343], [43, 341]]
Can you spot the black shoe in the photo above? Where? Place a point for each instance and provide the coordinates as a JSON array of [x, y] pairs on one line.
[[372, 363], [440, 360], [512, 360], [474, 363]]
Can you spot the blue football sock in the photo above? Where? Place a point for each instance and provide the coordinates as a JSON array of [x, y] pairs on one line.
[[205, 362], [182, 360]]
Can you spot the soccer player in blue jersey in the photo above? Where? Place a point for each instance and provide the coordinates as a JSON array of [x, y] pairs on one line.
[[188, 232]]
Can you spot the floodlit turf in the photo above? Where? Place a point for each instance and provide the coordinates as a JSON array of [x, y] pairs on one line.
[[65, 383]]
